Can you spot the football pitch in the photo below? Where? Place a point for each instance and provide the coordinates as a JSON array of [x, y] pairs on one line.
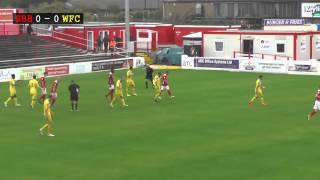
[[208, 132]]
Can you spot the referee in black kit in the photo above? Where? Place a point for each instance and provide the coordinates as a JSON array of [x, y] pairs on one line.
[[149, 73], [74, 90]]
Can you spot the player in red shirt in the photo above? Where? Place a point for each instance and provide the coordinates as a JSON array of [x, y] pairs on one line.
[[43, 86], [111, 84], [54, 95], [316, 106], [165, 84]]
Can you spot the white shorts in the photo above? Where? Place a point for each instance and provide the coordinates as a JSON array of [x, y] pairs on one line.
[[316, 105], [165, 88], [54, 95], [44, 91], [111, 87]]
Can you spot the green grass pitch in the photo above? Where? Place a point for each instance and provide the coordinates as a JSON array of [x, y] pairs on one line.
[[207, 132]]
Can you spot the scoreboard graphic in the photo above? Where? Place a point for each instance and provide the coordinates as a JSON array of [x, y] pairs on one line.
[[48, 18]]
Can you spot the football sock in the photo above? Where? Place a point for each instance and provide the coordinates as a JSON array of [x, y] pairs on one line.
[[113, 99], [312, 113], [42, 98], [43, 127], [127, 90], [110, 94], [254, 98], [123, 102], [52, 102], [49, 128], [262, 101], [8, 100], [33, 102]]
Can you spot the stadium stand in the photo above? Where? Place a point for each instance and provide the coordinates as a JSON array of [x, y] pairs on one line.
[[18, 51]]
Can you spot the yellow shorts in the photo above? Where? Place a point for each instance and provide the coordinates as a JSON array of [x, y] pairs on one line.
[[130, 83], [259, 93], [13, 93], [119, 95], [157, 90], [33, 95]]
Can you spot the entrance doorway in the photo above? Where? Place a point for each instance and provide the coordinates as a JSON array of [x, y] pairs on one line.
[[90, 40], [248, 46], [102, 35]]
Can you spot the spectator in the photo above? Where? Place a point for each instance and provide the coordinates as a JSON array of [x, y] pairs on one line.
[[29, 31], [118, 41], [106, 43], [193, 52], [99, 43], [113, 44]]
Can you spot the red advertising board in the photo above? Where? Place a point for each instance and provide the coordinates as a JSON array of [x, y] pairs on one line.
[[57, 70], [6, 15]]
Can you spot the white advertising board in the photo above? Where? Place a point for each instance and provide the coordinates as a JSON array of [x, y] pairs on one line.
[[27, 72], [309, 67], [5, 74], [138, 62], [302, 66], [266, 66], [187, 62], [79, 68]]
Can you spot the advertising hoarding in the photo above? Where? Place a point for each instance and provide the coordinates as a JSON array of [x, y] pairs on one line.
[[216, 63], [310, 10]]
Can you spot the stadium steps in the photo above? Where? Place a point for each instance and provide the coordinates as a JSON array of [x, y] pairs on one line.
[[17, 48], [36, 53], [24, 51], [56, 60]]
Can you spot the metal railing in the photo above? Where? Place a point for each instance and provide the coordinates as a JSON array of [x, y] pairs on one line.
[[261, 56]]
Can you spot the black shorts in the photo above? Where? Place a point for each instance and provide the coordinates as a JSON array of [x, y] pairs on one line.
[[74, 97], [149, 78]]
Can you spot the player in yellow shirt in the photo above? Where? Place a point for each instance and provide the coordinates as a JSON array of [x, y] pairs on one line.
[[258, 92], [33, 85], [47, 116], [157, 87], [13, 92], [130, 83], [118, 94]]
